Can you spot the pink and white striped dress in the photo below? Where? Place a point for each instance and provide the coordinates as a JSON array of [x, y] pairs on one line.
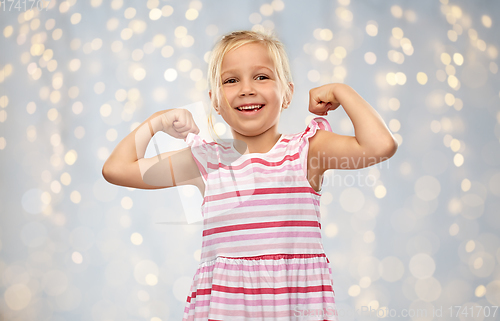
[[262, 254]]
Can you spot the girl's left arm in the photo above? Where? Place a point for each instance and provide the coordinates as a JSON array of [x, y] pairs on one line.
[[372, 143]]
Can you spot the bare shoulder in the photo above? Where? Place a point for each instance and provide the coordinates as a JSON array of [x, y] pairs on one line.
[[315, 170], [186, 170], [169, 169], [324, 141], [335, 151], [182, 169]]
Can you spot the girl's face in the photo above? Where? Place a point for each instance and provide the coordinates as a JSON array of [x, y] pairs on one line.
[[249, 80]]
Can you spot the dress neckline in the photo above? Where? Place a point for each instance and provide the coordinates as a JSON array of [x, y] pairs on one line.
[[250, 154]]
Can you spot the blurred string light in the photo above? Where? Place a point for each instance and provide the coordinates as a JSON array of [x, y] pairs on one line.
[[430, 289], [59, 240]]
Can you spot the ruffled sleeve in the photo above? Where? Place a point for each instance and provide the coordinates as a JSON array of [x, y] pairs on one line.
[[200, 152], [315, 124]]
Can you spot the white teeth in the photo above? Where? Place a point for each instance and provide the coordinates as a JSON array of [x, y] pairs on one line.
[[250, 107]]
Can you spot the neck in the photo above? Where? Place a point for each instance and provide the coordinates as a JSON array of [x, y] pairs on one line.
[[261, 143]]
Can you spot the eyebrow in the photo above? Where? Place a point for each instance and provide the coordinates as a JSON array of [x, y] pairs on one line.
[[256, 67]]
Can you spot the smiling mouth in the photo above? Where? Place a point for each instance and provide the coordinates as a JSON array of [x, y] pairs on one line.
[[250, 108]]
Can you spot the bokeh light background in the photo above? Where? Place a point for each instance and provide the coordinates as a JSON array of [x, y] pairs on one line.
[[419, 231]]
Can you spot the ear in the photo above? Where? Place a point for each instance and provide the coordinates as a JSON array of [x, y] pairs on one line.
[[288, 98], [291, 92], [213, 104]]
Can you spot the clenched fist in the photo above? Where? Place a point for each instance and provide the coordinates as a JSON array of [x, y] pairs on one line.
[[178, 123], [322, 99]]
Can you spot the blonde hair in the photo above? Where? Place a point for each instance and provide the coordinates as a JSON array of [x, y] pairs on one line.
[[237, 39]]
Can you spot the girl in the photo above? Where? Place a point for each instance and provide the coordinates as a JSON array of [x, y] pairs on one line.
[[262, 253]]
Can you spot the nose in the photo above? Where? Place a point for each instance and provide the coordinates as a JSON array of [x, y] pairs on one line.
[[247, 88]]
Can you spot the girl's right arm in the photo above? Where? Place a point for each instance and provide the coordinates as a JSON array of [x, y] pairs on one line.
[[126, 166]]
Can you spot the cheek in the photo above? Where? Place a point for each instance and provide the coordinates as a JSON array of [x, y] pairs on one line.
[[274, 92], [278, 96], [228, 92], [220, 99]]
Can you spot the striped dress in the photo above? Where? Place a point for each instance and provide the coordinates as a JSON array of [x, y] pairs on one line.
[[262, 254]]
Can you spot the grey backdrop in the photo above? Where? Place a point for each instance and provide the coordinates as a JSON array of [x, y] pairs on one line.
[[416, 233]]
